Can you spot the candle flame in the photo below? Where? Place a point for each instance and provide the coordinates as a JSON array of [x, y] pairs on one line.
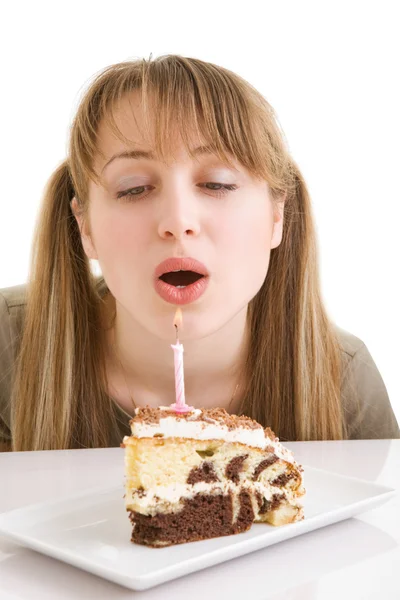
[[178, 318], [177, 323]]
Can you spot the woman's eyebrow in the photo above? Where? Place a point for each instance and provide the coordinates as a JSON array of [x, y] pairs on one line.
[[150, 156]]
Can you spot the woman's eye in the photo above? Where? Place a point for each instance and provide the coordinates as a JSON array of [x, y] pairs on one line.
[[220, 188], [132, 192]]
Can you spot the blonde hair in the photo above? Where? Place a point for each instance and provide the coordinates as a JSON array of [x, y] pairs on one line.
[[293, 368]]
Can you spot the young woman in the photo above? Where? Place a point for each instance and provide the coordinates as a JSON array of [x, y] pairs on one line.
[[179, 183]]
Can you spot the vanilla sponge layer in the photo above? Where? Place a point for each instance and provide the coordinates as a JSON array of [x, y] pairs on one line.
[[153, 461], [157, 472]]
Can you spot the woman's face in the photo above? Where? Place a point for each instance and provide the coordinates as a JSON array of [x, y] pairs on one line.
[[178, 209]]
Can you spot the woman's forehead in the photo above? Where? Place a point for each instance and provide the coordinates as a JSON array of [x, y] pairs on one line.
[[195, 149], [135, 134]]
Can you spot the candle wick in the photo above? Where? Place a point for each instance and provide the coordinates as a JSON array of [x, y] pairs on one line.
[[177, 334]]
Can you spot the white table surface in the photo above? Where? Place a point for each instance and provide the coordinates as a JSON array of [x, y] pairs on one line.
[[355, 559]]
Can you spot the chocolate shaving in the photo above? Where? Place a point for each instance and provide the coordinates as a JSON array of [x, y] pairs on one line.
[[140, 492], [217, 416], [270, 434]]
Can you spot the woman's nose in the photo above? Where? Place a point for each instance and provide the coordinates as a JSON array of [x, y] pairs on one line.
[[180, 218], [177, 230]]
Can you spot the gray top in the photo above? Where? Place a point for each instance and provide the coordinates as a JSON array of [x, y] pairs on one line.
[[368, 411]]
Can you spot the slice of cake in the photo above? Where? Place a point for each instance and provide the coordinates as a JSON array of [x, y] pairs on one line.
[[205, 474]]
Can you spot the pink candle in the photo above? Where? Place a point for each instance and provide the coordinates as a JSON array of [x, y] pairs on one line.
[[180, 405]]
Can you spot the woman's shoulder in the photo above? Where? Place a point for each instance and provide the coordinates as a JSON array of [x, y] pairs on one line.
[[350, 344], [13, 297], [12, 309], [367, 408], [13, 300], [12, 304]]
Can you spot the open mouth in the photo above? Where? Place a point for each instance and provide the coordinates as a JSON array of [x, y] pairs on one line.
[[181, 279]]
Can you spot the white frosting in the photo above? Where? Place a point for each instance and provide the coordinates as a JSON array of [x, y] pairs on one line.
[[199, 430], [170, 426], [162, 497]]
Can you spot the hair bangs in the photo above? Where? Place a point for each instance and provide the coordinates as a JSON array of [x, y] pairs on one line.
[[182, 100]]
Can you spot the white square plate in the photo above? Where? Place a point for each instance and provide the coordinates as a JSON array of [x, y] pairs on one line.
[[91, 530]]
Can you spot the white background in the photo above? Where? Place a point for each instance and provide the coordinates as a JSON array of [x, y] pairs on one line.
[[330, 70]]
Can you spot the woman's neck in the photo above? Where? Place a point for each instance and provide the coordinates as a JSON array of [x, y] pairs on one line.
[[212, 365]]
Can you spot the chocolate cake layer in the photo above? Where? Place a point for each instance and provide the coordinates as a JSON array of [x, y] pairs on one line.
[[235, 467], [204, 473], [264, 464], [202, 517], [269, 505]]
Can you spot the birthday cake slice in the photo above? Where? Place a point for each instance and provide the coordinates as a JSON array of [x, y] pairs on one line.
[[205, 474]]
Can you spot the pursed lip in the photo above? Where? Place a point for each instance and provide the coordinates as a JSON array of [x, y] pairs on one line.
[[180, 264]]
